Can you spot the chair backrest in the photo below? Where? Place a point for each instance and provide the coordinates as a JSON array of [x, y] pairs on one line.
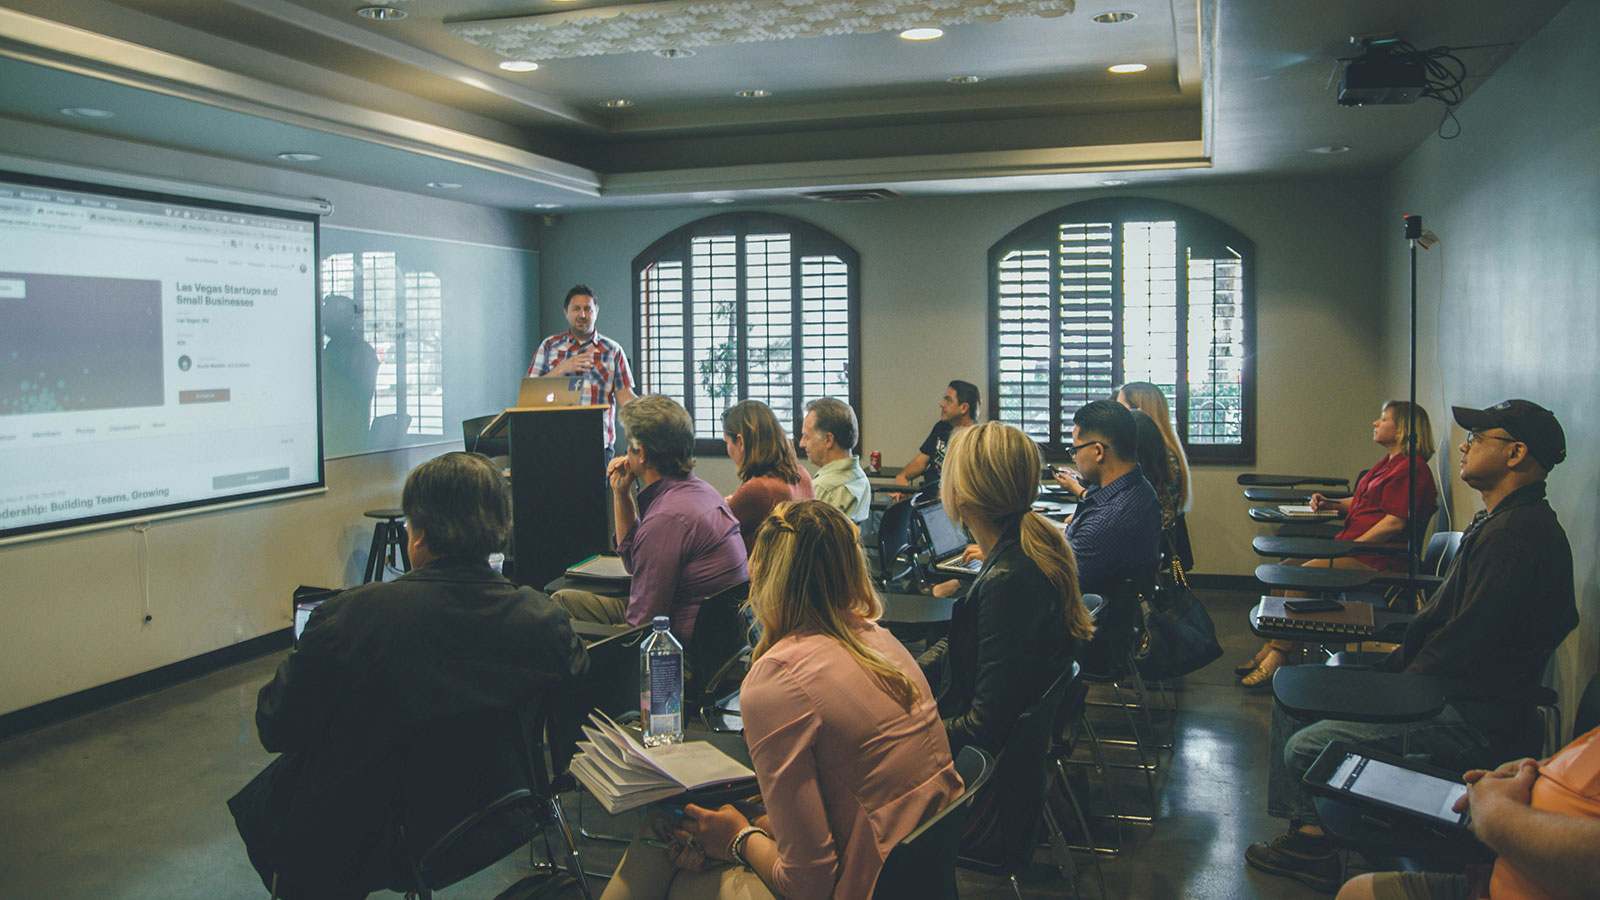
[[468, 794], [1587, 716], [922, 865], [495, 446], [894, 539], [1006, 818], [1118, 624], [1441, 551], [611, 686], [720, 636]]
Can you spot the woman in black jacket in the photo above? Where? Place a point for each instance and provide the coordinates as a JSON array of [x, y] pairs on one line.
[[1019, 625]]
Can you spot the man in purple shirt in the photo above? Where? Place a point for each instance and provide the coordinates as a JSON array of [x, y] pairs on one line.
[[678, 539]]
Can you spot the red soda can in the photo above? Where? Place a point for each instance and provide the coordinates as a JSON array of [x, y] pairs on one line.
[[877, 461]]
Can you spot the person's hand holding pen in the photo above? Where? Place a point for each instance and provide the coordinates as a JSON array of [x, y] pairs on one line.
[[1319, 503]]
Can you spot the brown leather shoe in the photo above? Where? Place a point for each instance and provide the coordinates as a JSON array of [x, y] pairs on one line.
[[1307, 859]]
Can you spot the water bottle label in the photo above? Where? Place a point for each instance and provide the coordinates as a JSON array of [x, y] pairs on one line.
[[666, 689]]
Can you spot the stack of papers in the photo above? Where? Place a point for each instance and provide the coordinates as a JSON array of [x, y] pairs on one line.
[[624, 774], [1306, 512], [600, 567]]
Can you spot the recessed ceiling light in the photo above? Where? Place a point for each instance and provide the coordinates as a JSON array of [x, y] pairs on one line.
[[547, 206], [756, 94], [1329, 149], [87, 112], [1114, 182], [721, 200], [519, 65], [922, 34], [381, 13], [444, 185], [618, 103], [1114, 18], [674, 53], [1127, 68], [966, 79], [299, 156]]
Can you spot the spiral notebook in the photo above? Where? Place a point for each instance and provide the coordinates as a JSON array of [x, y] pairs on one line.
[[1355, 618]]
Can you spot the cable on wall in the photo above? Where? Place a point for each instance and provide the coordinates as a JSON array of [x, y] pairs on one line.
[[143, 549]]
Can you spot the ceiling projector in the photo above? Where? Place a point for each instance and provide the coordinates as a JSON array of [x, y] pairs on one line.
[[1383, 76]]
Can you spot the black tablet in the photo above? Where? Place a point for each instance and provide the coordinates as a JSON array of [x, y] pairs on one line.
[[1396, 790]]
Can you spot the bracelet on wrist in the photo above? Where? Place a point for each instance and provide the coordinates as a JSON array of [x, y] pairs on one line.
[[736, 846]]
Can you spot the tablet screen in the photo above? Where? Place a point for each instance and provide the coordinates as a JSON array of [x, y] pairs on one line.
[[1418, 792]]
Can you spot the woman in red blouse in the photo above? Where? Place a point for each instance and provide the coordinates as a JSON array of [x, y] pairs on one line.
[[1376, 513]]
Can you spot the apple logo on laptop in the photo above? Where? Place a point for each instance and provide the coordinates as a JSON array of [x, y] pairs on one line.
[[550, 397]]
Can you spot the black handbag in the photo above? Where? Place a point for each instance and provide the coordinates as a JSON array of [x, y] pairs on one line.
[[1179, 636]]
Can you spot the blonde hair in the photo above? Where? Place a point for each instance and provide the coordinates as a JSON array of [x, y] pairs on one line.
[[807, 575], [767, 450], [1148, 398], [991, 472], [1424, 445]]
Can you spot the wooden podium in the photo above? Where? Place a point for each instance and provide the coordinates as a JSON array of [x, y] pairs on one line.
[[559, 494]]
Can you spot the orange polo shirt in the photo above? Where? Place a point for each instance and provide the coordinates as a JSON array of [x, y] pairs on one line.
[[1568, 784]]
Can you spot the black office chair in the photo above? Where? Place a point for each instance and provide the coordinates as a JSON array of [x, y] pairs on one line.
[[894, 544], [716, 651], [471, 437], [922, 865], [460, 815], [1003, 828], [1108, 661]]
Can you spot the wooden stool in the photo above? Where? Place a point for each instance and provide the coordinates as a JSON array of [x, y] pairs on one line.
[[388, 543]]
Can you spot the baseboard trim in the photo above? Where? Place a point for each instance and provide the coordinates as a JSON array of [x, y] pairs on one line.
[[50, 712], [1225, 582]]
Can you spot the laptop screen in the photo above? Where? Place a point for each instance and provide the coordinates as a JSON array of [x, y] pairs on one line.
[[944, 537]]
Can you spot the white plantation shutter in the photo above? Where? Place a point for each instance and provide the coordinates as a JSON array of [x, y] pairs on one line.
[[742, 307], [1101, 293]]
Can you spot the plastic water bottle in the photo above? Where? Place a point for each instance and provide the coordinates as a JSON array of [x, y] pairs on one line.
[[661, 686]]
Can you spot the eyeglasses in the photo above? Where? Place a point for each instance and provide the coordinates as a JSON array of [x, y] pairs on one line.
[[1474, 437], [1072, 451]]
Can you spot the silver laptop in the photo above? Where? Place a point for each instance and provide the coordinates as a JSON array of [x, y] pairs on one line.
[[946, 541], [550, 390]]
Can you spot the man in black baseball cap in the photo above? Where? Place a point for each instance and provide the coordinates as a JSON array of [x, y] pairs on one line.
[[1506, 603], [1525, 422]]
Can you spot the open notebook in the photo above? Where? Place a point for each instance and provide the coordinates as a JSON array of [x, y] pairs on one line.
[[624, 774]]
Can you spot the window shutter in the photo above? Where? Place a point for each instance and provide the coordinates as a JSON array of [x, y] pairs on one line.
[[825, 331], [1150, 342], [1024, 350], [661, 331], [769, 323], [424, 375], [1216, 350], [1086, 316]]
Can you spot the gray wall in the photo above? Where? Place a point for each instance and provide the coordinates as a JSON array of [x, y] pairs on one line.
[[1507, 299], [924, 317], [73, 606]]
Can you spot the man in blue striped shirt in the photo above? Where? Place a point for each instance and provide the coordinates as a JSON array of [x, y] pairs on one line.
[[1116, 531]]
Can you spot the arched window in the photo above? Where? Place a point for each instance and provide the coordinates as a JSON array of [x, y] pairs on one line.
[[748, 306], [1100, 293]]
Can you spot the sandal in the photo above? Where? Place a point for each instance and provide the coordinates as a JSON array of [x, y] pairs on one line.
[[1261, 675], [1246, 668]]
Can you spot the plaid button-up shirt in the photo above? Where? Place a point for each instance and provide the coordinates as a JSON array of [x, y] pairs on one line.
[[601, 383]]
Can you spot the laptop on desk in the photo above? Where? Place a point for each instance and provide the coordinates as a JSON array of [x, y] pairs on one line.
[[945, 541], [539, 392]]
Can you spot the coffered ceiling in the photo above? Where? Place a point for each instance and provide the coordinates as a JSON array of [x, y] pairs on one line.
[[685, 100]]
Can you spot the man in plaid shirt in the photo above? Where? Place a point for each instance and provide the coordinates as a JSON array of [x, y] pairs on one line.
[[584, 352]]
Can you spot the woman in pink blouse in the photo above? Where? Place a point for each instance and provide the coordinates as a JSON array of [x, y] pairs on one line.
[[844, 736], [769, 471]]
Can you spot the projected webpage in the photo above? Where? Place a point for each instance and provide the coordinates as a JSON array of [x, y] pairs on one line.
[[151, 355]]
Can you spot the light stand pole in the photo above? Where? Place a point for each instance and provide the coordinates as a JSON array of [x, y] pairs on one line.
[[1413, 234]]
